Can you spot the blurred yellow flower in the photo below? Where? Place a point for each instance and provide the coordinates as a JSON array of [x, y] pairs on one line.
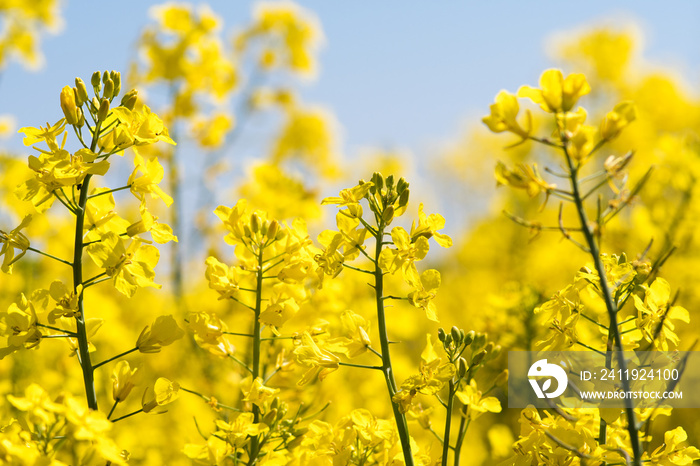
[[15, 239], [557, 94], [503, 117]]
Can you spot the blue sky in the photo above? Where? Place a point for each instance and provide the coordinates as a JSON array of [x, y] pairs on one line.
[[395, 73]]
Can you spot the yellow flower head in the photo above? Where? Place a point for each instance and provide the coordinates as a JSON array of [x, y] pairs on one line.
[[557, 94], [163, 332], [162, 393], [123, 380], [622, 115], [11, 241], [503, 116]]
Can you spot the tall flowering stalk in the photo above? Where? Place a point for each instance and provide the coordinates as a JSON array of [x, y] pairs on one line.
[[577, 143], [66, 177], [273, 262], [387, 200], [102, 131]]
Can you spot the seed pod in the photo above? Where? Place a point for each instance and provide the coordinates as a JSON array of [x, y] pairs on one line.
[[103, 111]]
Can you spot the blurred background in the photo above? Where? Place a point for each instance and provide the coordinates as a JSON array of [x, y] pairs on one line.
[[286, 112]]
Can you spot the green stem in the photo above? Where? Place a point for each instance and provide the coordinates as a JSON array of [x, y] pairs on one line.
[[109, 191], [127, 415], [208, 399], [448, 423], [241, 363], [111, 411], [255, 441], [360, 366], [357, 269], [175, 212], [115, 357], [50, 256], [81, 330], [610, 306], [387, 369], [463, 426], [57, 329]]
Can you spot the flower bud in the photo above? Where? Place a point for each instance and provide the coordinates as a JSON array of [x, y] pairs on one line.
[[378, 180], [441, 334], [95, 81], [469, 338], [81, 119], [104, 110], [389, 182], [270, 417], [254, 222], [355, 210], [479, 340], [129, 99], [117, 79], [401, 185], [94, 105], [272, 229], [403, 198], [478, 358], [456, 335], [108, 91], [448, 340], [70, 110], [105, 76], [81, 91], [462, 367], [502, 378], [388, 215]]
